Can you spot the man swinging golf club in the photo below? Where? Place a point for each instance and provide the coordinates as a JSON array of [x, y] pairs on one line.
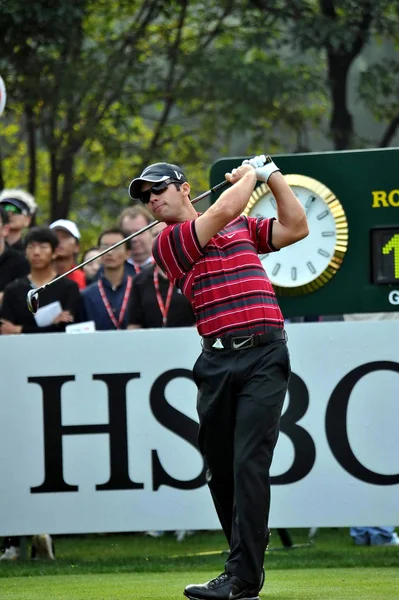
[[32, 298], [243, 371]]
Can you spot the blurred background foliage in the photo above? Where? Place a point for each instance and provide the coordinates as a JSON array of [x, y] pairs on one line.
[[97, 89]]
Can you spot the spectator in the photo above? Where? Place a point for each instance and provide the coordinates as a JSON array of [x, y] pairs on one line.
[[42, 547], [91, 270], [106, 301], [16, 318], [374, 536], [21, 208], [68, 247], [131, 220], [13, 264], [156, 302]]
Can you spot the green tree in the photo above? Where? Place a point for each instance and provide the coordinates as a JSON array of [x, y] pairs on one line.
[[132, 82], [379, 89], [30, 33], [337, 31]]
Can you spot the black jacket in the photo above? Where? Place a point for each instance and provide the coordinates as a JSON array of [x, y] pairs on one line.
[[13, 265], [15, 308], [144, 309]]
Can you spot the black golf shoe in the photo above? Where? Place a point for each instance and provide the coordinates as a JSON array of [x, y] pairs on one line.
[[224, 587]]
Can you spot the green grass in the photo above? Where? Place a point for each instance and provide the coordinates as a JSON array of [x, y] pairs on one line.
[[309, 584], [127, 553], [119, 566]]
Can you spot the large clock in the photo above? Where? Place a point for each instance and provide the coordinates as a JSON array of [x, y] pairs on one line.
[[309, 264]]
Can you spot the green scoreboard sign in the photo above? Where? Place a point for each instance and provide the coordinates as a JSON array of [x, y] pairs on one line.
[[349, 263]]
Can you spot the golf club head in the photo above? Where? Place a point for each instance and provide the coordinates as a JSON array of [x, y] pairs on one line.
[[32, 301]]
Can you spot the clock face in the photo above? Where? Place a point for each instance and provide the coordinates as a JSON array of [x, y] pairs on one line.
[[310, 263]]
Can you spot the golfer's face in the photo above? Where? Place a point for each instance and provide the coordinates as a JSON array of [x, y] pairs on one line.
[[164, 206]]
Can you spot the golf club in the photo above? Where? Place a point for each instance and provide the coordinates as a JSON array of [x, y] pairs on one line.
[[32, 296]]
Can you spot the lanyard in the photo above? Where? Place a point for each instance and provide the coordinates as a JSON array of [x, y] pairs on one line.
[[117, 323], [138, 267], [164, 308]]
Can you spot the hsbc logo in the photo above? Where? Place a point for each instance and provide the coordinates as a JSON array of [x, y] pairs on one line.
[[336, 430]]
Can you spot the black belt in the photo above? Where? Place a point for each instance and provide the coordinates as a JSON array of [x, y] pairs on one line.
[[243, 342]]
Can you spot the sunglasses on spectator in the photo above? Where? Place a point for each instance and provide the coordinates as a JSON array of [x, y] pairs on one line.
[[157, 188], [11, 208]]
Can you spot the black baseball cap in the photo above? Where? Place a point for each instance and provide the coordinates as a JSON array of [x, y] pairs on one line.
[[24, 208], [155, 174]]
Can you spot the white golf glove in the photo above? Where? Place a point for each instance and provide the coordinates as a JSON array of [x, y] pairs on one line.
[[264, 166]]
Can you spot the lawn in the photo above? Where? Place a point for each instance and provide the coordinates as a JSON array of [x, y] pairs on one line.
[[309, 584], [119, 566]]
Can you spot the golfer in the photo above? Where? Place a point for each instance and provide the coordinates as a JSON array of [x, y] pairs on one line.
[[243, 371]]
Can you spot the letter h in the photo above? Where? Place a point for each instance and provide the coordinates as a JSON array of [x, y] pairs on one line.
[[54, 430]]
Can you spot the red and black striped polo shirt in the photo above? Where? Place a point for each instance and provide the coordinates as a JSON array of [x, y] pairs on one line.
[[225, 282]]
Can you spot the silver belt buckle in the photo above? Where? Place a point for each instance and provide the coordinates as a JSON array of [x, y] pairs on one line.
[[218, 344], [247, 342]]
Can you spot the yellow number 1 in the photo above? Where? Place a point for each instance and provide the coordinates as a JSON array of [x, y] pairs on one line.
[[393, 245]]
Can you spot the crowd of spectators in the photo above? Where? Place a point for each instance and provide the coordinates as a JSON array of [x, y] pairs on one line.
[[121, 290]]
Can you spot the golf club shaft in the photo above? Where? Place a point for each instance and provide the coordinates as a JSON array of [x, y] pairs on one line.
[[216, 188]]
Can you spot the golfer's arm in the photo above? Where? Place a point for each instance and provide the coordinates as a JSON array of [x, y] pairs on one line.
[[227, 207], [291, 225]]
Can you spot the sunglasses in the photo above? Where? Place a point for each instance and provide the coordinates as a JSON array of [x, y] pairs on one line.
[[157, 188], [10, 208]]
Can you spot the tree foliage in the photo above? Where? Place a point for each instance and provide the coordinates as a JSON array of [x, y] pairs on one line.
[[99, 89], [339, 30]]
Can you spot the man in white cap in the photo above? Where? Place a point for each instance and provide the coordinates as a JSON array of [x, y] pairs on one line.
[[68, 247], [21, 208]]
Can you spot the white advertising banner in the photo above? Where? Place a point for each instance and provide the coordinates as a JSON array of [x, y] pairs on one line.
[[98, 431]]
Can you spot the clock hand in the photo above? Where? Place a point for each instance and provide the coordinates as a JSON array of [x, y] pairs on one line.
[[309, 204]]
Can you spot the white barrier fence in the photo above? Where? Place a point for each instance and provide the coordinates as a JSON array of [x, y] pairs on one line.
[[98, 431]]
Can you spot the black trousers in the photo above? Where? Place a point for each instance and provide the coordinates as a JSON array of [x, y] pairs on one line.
[[240, 397]]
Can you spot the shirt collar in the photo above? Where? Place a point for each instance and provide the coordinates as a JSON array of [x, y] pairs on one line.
[[107, 284]]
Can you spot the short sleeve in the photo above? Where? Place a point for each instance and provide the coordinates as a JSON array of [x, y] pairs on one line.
[[261, 233], [177, 249]]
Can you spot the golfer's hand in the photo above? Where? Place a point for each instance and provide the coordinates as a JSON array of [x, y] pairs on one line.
[[237, 174], [64, 317], [263, 165], [8, 328]]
